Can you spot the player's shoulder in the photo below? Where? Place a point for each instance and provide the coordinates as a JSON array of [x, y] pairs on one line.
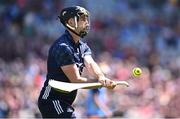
[[62, 42], [84, 45], [60, 45]]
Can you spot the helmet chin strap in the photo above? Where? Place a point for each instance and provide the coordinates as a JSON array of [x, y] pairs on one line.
[[81, 34]]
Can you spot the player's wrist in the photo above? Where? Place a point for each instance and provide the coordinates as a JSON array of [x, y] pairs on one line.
[[100, 77]]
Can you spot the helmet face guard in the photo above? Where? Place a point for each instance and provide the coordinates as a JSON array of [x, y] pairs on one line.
[[76, 13]]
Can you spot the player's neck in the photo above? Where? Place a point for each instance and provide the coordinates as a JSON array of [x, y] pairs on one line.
[[75, 37]]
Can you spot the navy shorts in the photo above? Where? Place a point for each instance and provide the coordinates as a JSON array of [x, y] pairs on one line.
[[55, 109]]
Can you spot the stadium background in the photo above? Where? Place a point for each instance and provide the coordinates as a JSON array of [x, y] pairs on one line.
[[124, 34]]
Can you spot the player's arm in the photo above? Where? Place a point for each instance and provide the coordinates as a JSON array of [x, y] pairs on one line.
[[93, 67], [72, 72], [64, 59]]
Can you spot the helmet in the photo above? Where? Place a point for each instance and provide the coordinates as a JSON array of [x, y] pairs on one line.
[[75, 13]]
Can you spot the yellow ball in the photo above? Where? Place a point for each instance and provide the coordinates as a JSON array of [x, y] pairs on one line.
[[137, 72]]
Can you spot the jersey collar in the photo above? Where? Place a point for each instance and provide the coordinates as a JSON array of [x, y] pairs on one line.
[[71, 39]]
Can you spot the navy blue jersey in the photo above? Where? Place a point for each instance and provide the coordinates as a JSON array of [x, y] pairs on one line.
[[64, 51]]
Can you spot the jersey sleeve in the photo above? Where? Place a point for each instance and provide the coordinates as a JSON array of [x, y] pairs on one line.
[[87, 50], [64, 55]]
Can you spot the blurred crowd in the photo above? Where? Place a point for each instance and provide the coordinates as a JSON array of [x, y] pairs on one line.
[[124, 34]]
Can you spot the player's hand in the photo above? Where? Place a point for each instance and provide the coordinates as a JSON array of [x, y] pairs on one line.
[[107, 82]]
